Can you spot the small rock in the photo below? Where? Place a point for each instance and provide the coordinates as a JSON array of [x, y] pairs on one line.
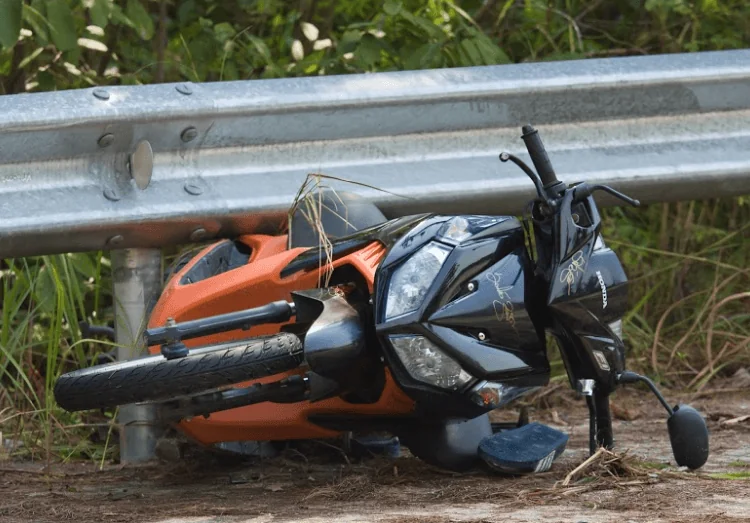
[[740, 379], [10, 445], [169, 449], [623, 413], [237, 479], [122, 493]]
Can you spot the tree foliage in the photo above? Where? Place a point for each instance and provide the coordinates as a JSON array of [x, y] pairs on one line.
[[61, 44]]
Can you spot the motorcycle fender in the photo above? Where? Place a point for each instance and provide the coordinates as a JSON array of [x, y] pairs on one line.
[[452, 444], [335, 341]]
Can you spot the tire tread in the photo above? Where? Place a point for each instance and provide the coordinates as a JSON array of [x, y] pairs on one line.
[[116, 384]]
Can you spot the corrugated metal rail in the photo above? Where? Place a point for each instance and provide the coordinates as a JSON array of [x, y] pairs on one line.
[[229, 157]]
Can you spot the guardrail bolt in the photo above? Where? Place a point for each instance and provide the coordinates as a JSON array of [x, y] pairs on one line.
[[116, 240], [198, 234], [141, 164], [106, 140], [193, 189], [101, 94], [111, 194], [184, 89], [189, 134]]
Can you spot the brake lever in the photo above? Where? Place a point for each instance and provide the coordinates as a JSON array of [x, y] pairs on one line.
[[504, 157], [584, 190]]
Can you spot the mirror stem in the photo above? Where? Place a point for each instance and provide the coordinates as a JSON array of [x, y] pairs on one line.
[[504, 157], [632, 377]]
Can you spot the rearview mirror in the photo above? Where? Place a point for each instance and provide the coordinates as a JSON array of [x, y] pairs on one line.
[[689, 436]]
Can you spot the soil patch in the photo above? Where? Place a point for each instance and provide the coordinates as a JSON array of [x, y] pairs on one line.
[[642, 485]]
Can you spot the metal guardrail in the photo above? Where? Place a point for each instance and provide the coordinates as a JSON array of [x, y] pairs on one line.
[[229, 157]]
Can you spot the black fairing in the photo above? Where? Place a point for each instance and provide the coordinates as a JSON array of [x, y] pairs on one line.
[[225, 256], [450, 444], [587, 292], [495, 261], [336, 345]]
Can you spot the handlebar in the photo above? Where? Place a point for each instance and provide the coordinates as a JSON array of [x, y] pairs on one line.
[[584, 190], [539, 155], [548, 187], [274, 312]]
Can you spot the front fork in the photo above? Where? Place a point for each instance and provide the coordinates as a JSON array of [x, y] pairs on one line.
[[688, 433], [600, 416], [578, 361]]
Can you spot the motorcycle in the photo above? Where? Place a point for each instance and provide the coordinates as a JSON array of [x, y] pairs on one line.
[[423, 325]]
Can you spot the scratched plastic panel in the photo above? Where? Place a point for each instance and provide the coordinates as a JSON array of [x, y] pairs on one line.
[[497, 307]]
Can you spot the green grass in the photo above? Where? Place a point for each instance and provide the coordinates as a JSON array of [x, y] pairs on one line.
[[688, 321], [739, 464], [41, 299], [731, 475]]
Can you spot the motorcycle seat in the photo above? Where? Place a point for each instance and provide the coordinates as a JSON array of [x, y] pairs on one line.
[[341, 214]]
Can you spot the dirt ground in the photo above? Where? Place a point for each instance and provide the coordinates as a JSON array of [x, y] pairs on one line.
[[297, 487]]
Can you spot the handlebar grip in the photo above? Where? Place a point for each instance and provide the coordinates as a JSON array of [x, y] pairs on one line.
[[538, 155]]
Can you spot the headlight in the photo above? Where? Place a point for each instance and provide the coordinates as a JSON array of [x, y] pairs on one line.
[[409, 283], [427, 363], [457, 229]]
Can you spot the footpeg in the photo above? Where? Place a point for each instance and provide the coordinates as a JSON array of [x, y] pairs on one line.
[[527, 449]]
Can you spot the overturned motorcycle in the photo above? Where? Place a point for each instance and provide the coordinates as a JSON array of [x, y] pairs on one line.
[[424, 325]]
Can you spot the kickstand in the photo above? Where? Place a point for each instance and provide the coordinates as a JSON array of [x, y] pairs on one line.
[[523, 419]]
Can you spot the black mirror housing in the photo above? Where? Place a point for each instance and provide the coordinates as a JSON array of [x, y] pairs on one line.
[[688, 434]]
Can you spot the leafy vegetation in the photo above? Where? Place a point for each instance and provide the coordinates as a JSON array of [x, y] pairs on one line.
[[689, 318], [688, 321], [61, 44]]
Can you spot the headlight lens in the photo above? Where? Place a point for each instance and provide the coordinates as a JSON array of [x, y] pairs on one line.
[[457, 229], [409, 283], [427, 363]]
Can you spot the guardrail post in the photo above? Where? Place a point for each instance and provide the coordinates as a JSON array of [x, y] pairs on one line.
[[137, 276]]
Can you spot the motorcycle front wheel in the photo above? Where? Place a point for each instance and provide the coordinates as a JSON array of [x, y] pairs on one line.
[[156, 378]]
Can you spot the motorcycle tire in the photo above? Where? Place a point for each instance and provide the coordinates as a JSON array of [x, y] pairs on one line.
[[153, 378]]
